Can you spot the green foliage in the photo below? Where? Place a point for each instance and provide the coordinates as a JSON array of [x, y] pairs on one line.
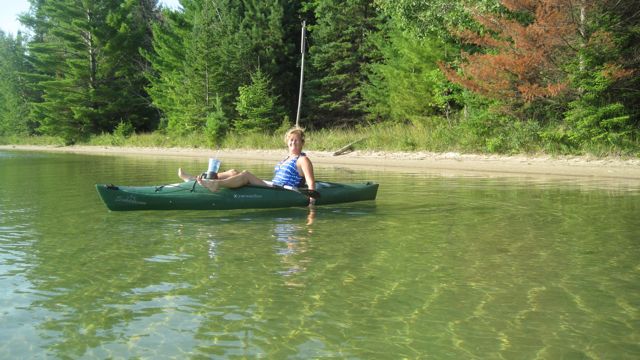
[[100, 70], [206, 53], [20, 139], [187, 66], [166, 78], [285, 125], [339, 51], [608, 123], [264, 27], [217, 124], [257, 106], [78, 53], [14, 105], [407, 84], [604, 112], [436, 18], [432, 136], [121, 133], [124, 130]]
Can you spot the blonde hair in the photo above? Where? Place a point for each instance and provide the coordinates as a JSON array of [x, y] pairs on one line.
[[295, 130]]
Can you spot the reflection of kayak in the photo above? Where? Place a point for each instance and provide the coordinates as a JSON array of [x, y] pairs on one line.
[[190, 196]]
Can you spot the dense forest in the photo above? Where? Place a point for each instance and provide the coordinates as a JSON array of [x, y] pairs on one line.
[[564, 71]]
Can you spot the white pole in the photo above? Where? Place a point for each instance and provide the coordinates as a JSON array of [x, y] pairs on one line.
[[302, 46]]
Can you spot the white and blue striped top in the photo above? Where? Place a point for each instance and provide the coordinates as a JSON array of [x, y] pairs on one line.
[[286, 173]]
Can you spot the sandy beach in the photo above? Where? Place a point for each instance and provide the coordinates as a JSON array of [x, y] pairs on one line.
[[447, 164]]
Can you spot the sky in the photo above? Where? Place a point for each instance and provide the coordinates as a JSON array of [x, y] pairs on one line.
[[10, 9]]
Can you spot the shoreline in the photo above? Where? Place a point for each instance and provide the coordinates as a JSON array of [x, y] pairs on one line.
[[453, 164]]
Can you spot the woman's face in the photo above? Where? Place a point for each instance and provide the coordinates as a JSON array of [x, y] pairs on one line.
[[295, 143]]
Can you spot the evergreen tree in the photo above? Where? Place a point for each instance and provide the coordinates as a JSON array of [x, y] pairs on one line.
[[523, 65], [125, 67], [208, 51], [338, 52], [192, 60], [217, 123], [66, 59], [439, 19], [86, 57], [201, 66], [167, 57], [272, 44], [286, 78], [407, 84], [550, 58], [257, 106], [604, 76], [13, 87]]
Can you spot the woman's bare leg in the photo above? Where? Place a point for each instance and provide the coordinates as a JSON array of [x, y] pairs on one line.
[[233, 182], [223, 175], [227, 174]]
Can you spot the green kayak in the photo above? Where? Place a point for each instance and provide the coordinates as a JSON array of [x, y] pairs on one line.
[[192, 196]]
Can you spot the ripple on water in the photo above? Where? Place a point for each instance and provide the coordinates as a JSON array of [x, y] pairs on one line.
[[442, 267]]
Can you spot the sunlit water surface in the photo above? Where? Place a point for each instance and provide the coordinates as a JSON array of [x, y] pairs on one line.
[[437, 267]]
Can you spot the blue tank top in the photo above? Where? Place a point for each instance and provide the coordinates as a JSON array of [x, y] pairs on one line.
[[286, 173]]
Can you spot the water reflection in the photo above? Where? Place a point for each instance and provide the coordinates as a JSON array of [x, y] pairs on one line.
[[293, 242]]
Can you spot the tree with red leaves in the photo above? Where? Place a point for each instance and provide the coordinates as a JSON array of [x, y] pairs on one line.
[[524, 51]]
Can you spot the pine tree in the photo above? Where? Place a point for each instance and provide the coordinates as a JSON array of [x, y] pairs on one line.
[[201, 66], [272, 31], [199, 57], [66, 59], [407, 84], [217, 123], [209, 51], [338, 52], [167, 57], [257, 106], [13, 88], [124, 66], [86, 57], [605, 106], [522, 64], [559, 61]]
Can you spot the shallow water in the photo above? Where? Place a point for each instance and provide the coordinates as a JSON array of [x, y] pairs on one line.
[[437, 267]]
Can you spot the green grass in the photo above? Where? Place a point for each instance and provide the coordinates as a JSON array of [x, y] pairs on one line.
[[30, 140], [513, 138]]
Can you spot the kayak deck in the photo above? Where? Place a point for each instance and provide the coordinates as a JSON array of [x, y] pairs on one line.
[[192, 196]]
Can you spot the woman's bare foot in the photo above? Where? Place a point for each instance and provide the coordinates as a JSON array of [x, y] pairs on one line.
[[184, 176], [211, 185]]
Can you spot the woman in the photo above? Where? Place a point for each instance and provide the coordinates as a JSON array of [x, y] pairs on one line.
[[295, 170]]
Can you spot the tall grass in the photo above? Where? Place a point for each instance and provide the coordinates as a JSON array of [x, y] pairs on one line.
[[431, 136], [30, 140]]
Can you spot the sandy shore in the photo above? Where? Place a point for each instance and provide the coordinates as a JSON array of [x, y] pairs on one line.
[[610, 169]]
